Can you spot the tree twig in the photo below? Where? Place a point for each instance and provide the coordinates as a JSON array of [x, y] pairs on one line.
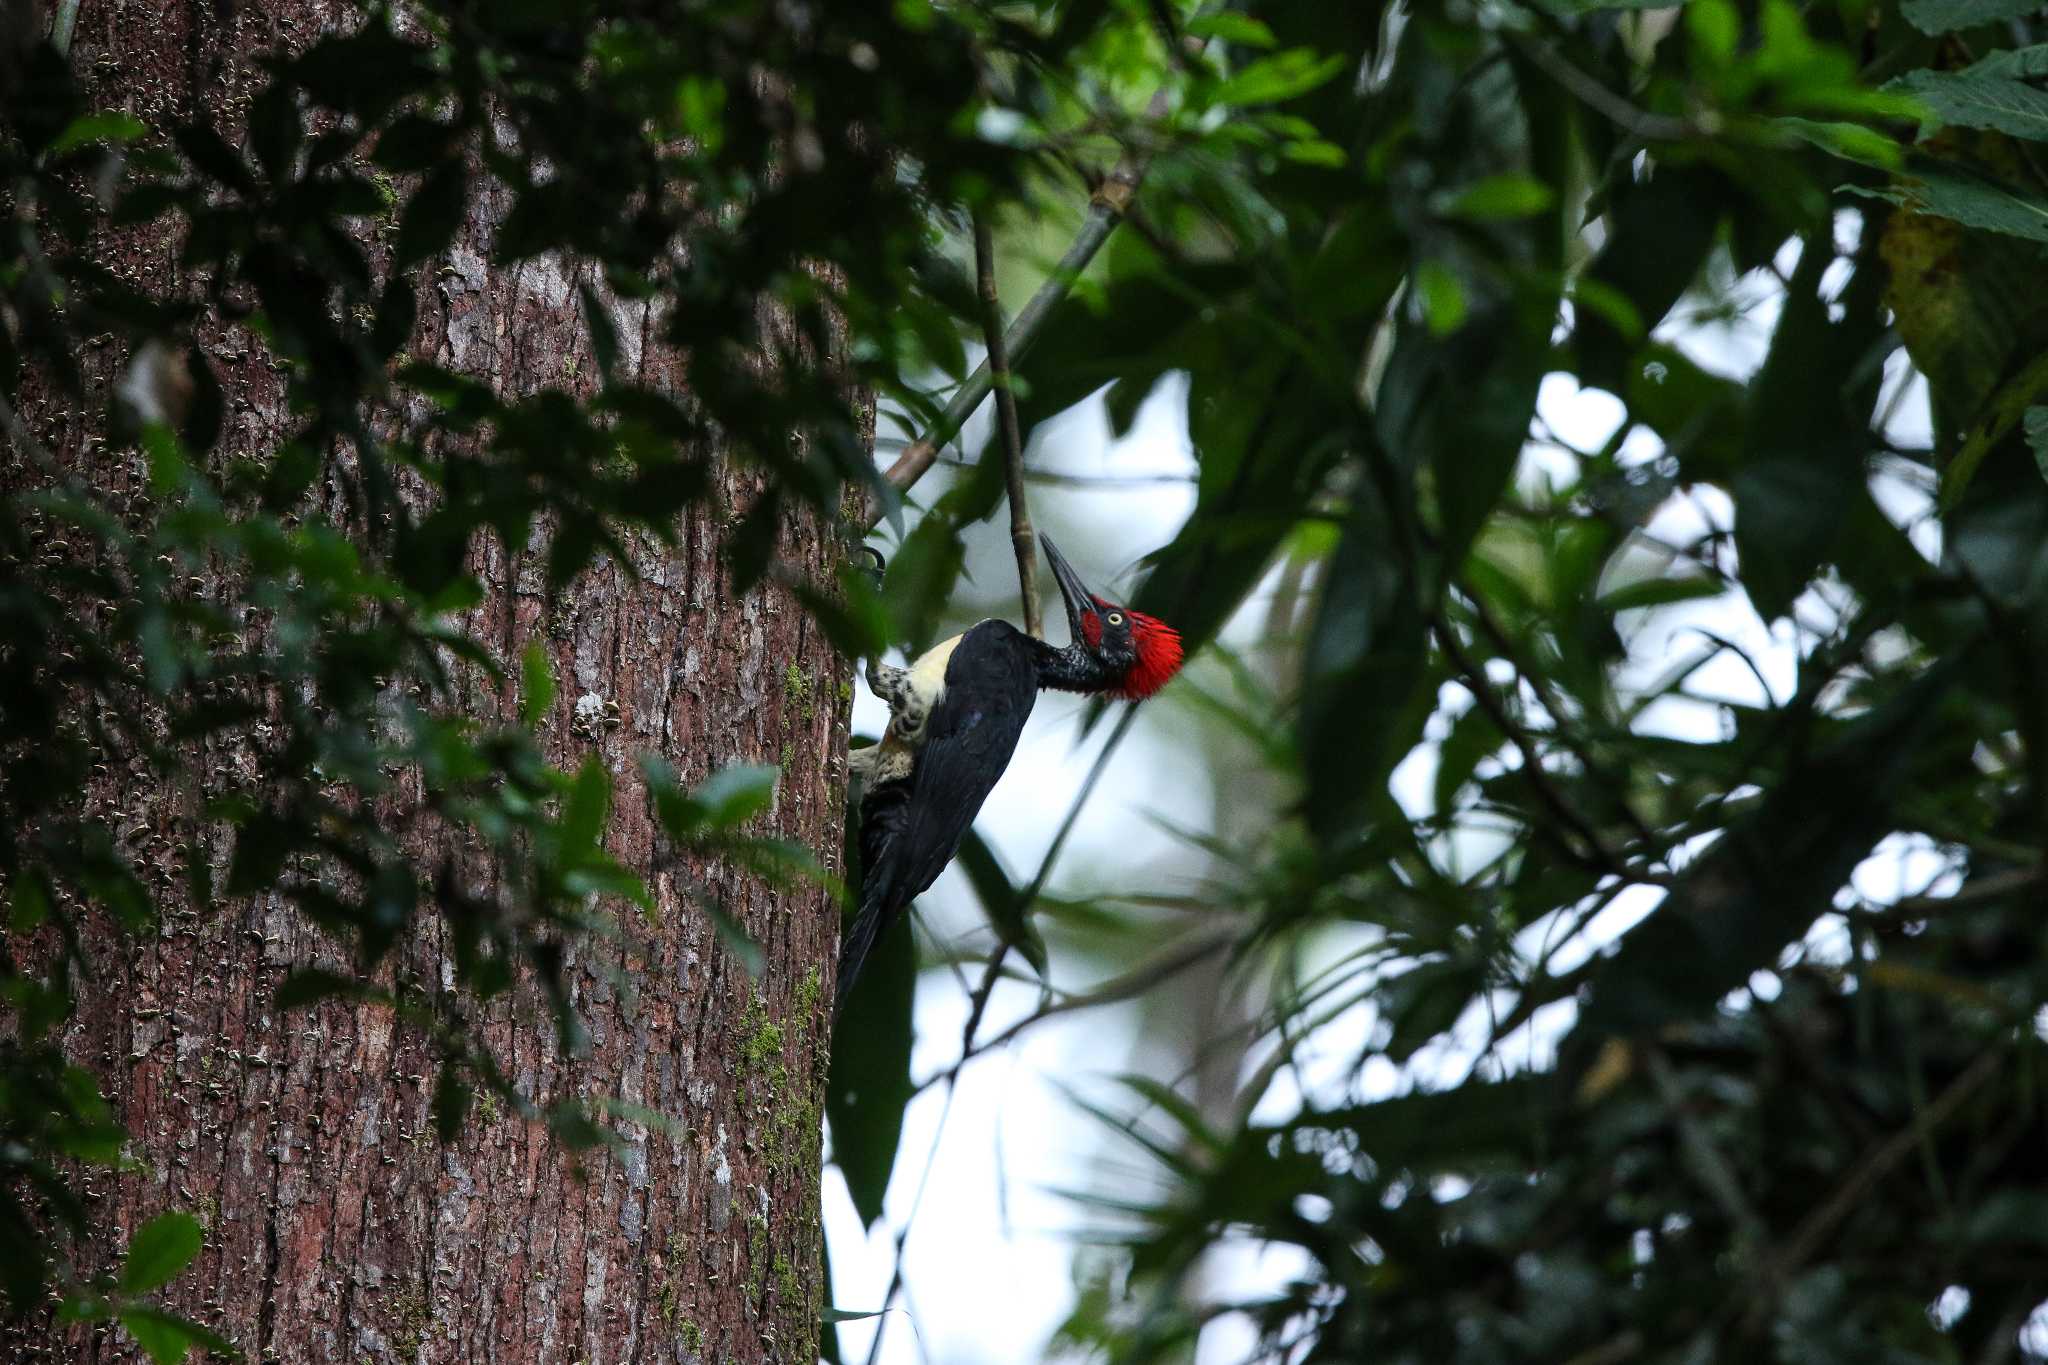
[[1021, 539], [1066, 480], [1545, 693], [1709, 1166], [1876, 1163], [1598, 854], [1997, 886], [1141, 978], [1111, 201], [1597, 97]]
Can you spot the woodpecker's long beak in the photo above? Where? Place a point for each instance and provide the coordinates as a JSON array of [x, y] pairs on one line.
[[1079, 600]]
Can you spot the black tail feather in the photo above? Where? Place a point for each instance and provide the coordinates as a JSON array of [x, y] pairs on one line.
[[883, 811], [854, 949]]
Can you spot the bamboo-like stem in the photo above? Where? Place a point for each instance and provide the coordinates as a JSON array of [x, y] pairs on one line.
[[1106, 209], [60, 30], [1021, 539]]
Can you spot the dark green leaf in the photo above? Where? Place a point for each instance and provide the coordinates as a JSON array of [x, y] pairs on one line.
[[309, 985], [433, 215], [106, 126], [167, 1337], [536, 684], [869, 1085], [162, 1247], [1000, 900], [1942, 16]]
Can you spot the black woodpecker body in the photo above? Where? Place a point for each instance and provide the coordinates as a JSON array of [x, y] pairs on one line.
[[955, 716]]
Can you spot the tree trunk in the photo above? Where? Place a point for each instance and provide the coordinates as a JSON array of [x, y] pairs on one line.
[[339, 1229]]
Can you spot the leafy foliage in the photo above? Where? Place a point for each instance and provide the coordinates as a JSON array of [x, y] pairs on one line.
[[1720, 1133], [1363, 236]]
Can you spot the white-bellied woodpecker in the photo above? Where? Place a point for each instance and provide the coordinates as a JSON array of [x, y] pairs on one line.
[[955, 715]]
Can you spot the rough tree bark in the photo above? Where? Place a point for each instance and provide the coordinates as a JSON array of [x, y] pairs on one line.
[[338, 1228]]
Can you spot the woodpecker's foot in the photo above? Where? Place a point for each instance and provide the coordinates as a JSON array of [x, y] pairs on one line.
[[887, 682], [888, 761]]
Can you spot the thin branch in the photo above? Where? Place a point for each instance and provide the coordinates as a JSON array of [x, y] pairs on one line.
[[1062, 479], [1544, 692], [1021, 538], [1111, 201], [1030, 894], [1597, 97], [1130, 985], [1709, 1166], [1854, 1191], [896, 1286], [1598, 854], [1997, 886]]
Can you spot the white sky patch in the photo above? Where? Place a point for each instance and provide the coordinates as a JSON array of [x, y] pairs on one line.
[[1585, 419]]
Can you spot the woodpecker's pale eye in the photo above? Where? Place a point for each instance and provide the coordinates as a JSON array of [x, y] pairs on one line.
[[1116, 618]]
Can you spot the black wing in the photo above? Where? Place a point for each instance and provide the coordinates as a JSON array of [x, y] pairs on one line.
[[991, 682], [911, 828]]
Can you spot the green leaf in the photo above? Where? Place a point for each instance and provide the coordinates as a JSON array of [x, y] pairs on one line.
[[1472, 738], [433, 215], [1282, 76], [831, 1315], [536, 684], [588, 807], [1659, 592], [1443, 297], [1803, 470], [1945, 16], [105, 126], [2019, 63], [1313, 152], [733, 936], [1774, 871], [1715, 28], [1426, 1000], [736, 794], [1497, 197], [869, 1085], [452, 1098], [162, 1247], [1000, 900], [167, 1337], [1967, 99], [1364, 657], [1968, 199], [1995, 420], [1573, 8], [309, 985], [604, 333], [1231, 27], [213, 157], [1850, 141]]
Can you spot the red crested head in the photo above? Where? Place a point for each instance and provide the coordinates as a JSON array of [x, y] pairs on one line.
[[1123, 653], [1153, 645]]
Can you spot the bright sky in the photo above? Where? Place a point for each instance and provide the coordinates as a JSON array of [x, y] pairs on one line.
[[990, 1260]]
